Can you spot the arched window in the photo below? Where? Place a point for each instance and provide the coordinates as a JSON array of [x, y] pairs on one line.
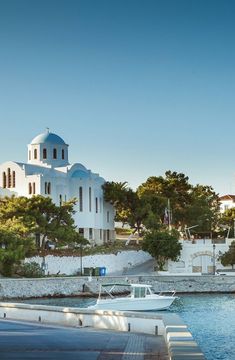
[[60, 200], [44, 153], [90, 199], [8, 177], [13, 179], [54, 153], [30, 188], [4, 180], [49, 188], [45, 187], [35, 154], [62, 154], [34, 188]]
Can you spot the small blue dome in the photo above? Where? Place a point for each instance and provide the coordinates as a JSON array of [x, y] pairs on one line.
[[48, 137]]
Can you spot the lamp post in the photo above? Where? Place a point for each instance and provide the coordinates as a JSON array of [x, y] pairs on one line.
[[213, 259], [81, 259]]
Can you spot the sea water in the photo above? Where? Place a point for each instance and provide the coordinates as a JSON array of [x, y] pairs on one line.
[[210, 319]]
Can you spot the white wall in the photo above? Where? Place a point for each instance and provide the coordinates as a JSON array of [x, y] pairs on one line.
[[199, 254], [113, 262]]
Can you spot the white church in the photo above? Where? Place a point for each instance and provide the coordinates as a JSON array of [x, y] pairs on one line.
[[49, 173]]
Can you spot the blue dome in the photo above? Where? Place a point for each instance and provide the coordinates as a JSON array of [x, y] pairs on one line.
[[80, 174], [48, 137]]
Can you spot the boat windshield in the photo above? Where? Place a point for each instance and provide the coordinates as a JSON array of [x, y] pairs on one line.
[[139, 292]]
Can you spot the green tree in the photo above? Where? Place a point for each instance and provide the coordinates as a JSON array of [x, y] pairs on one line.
[[53, 222], [228, 258], [227, 221], [13, 249], [15, 215], [27, 216], [190, 205], [162, 245], [203, 209], [129, 207], [174, 188]]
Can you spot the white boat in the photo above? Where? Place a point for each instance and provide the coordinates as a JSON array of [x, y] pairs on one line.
[[141, 298]]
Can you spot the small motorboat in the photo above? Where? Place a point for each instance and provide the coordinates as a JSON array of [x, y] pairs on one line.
[[141, 298]]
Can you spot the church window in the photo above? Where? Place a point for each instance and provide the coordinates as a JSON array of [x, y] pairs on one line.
[[108, 235], [80, 199], [29, 155], [30, 188], [35, 154], [44, 153], [62, 154], [13, 179], [49, 188], [34, 188], [54, 154], [60, 200], [8, 177], [96, 205], [90, 199], [100, 234], [4, 180], [45, 190], [81, 231], [90, 233]]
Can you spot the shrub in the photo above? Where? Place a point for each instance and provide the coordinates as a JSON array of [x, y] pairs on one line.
[[30, 270]]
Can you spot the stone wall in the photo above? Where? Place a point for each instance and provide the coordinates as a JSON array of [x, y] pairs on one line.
[[23, 288], [187, 284]]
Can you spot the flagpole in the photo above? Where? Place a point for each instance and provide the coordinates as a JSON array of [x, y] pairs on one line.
[[169, 214]]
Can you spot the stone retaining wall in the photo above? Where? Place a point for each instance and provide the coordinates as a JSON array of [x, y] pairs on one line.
[[26, 288], [67, 286], [188, 284]]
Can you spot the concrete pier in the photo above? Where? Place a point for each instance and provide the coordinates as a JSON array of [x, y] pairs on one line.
[[143, 327]]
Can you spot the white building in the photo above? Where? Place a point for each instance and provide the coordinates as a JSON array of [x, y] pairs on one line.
[[200, 256], [49, 173], [227, 202]]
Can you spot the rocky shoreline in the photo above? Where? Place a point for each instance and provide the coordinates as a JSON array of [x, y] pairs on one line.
[[86, 287]]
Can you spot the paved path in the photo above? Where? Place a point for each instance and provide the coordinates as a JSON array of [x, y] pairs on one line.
[[23, 341], [146, 268]]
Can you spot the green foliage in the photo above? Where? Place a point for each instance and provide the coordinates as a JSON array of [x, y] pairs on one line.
[[38, 214], [228, 258], [190, 205], [13, 248], [30, 270], [227, 221], [52, 222], [162, 245], [129, 207]]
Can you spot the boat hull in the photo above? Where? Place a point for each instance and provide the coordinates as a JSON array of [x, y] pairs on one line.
[[130, 304]]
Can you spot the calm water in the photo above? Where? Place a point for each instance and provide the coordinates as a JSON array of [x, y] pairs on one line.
[[210, 318]]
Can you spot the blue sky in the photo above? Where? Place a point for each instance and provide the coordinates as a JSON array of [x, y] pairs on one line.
[[136, 87]]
